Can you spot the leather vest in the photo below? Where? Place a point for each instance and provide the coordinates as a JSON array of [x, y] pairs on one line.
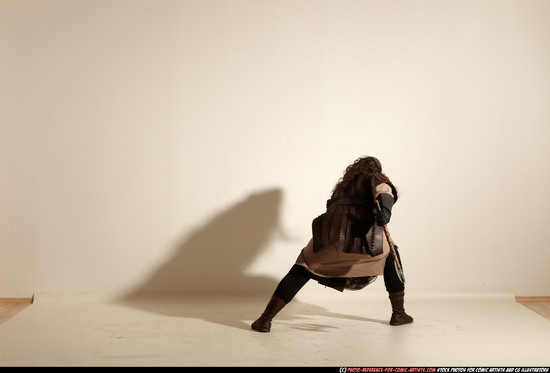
[[349, 216]]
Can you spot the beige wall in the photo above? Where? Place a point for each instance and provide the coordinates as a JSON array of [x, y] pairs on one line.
[[176, 144]]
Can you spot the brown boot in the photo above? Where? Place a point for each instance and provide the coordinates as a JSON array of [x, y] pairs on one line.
[[399, 317], [263, 324]]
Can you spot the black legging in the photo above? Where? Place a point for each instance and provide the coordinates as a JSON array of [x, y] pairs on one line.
[[298, 276]]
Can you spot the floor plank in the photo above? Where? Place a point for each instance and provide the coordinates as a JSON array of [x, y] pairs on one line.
[[10, 309], [542, 308]]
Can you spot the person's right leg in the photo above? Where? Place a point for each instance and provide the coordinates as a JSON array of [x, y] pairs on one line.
[[396, 291], [288, 287]]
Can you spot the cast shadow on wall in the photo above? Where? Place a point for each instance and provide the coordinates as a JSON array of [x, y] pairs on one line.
[[208, 268], [215, 255]]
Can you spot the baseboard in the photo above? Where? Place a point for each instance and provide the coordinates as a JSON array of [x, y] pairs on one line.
[[532, 298], [518, 298], [16, 300]]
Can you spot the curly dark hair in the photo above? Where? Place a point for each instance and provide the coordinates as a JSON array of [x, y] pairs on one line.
[[361, 166]]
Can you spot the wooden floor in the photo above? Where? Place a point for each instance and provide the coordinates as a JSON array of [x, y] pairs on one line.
[[9, 308], [540, 305]]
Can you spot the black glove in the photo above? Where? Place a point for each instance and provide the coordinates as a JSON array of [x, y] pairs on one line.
[[382, 213]]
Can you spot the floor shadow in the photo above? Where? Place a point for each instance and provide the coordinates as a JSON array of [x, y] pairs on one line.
[[207, 269]]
